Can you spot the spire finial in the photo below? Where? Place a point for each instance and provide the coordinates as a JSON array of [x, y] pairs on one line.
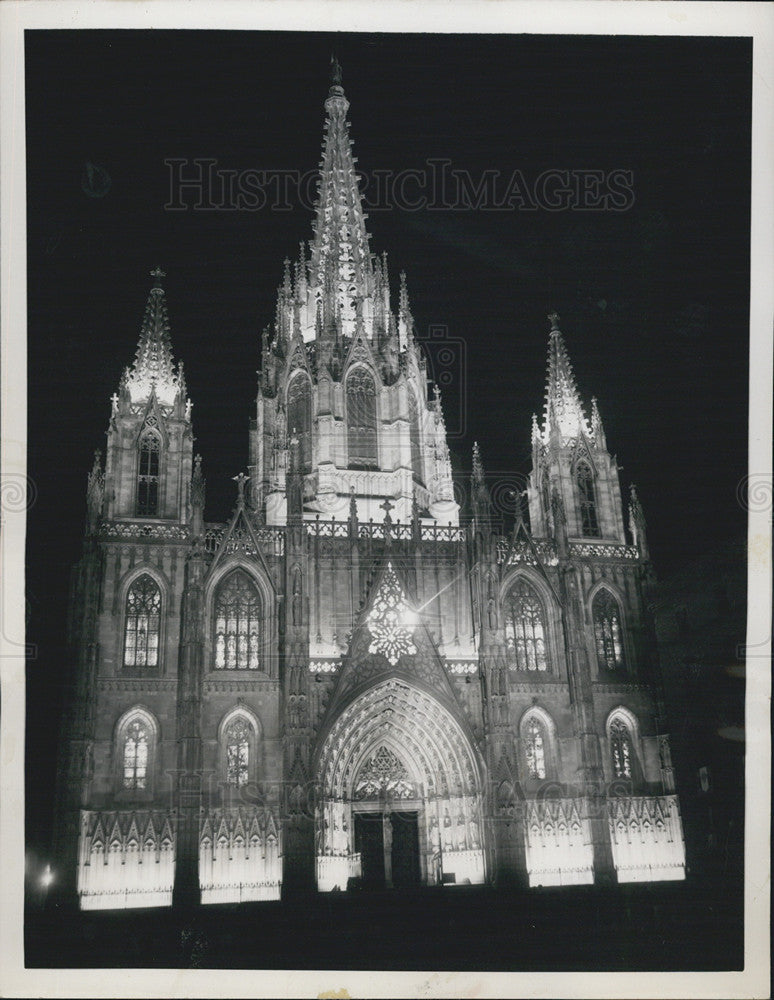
[[553, 319], [335, 71], [157, 274]]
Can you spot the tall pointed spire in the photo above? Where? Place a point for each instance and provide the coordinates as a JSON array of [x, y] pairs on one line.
[[340, 250], [153, 368], [563, 408]]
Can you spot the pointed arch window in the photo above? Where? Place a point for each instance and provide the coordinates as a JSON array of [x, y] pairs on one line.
[[621, 749], [237, 624], [299, 418], [525, 628], [142, 625], [148, 475], [238, 739], [137, 739], [607, 631], [414, 436], [587, 500], [361, 420], [535, 748]]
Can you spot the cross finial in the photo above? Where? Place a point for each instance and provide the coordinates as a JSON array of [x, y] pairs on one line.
[[387, 506], [553, 319], [157, 274], [240, 480]]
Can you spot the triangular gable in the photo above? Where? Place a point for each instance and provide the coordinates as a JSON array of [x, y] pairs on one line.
[[360, 353], [240, 539], [297, 357], [152, 416], [522, 535], [390, 639]]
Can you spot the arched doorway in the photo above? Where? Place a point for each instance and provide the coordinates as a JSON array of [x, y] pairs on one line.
[[399, 798]]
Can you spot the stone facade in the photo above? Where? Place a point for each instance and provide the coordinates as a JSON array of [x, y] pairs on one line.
[[351, 678]]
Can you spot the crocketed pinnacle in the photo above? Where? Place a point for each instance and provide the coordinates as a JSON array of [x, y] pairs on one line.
[[340, 251], [563, 407], [153, 367]]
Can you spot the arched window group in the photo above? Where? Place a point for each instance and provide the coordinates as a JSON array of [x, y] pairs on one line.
[[142, 625], [607, 631], [587, 500], [237, 624], [299, 418], [525, 627], [361, 420], [148, 475]]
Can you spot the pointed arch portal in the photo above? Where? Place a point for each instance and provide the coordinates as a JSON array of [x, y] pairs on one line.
[[399, 793]]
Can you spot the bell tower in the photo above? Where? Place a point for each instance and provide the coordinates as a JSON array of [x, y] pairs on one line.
[[150, 438], [570, 460]]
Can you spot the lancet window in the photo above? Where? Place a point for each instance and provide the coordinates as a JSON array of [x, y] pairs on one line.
[[142, 624], [237, 624], [607, 631], [361, 420], [525, 628]]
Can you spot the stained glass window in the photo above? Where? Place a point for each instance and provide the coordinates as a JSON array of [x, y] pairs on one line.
[[237, 624], [148, 477], [587, 499], [621, 749], [136, 741], [238, 736], [525, 631], [299, 418], [361, 419], [384, 773], [607, 631], [414, 435], [534, 748], [143, 622]]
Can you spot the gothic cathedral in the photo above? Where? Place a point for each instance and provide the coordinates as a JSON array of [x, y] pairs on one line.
[[353, 682]]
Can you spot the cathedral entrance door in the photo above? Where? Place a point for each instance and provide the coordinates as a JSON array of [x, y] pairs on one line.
[[369, 842], [405, 849]]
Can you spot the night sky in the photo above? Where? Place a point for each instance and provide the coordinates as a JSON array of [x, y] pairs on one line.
[[653, 300]]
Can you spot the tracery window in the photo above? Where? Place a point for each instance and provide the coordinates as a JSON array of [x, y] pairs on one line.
[[148, 475], [414, 435], [621, 749], [525, 627], [299, 418], [584, 477], [535, 748], [361, 419], [607, 631], [143, 623], [237, 624], [135, 754], [391, 620], [384, 773], [238, 737]]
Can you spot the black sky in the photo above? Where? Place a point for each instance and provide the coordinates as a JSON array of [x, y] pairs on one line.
[[653, 300]]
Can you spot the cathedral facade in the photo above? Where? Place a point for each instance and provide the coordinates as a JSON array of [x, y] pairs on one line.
[[353, 681]]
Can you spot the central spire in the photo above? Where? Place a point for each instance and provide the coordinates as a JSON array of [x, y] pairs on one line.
[[341, 259]]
